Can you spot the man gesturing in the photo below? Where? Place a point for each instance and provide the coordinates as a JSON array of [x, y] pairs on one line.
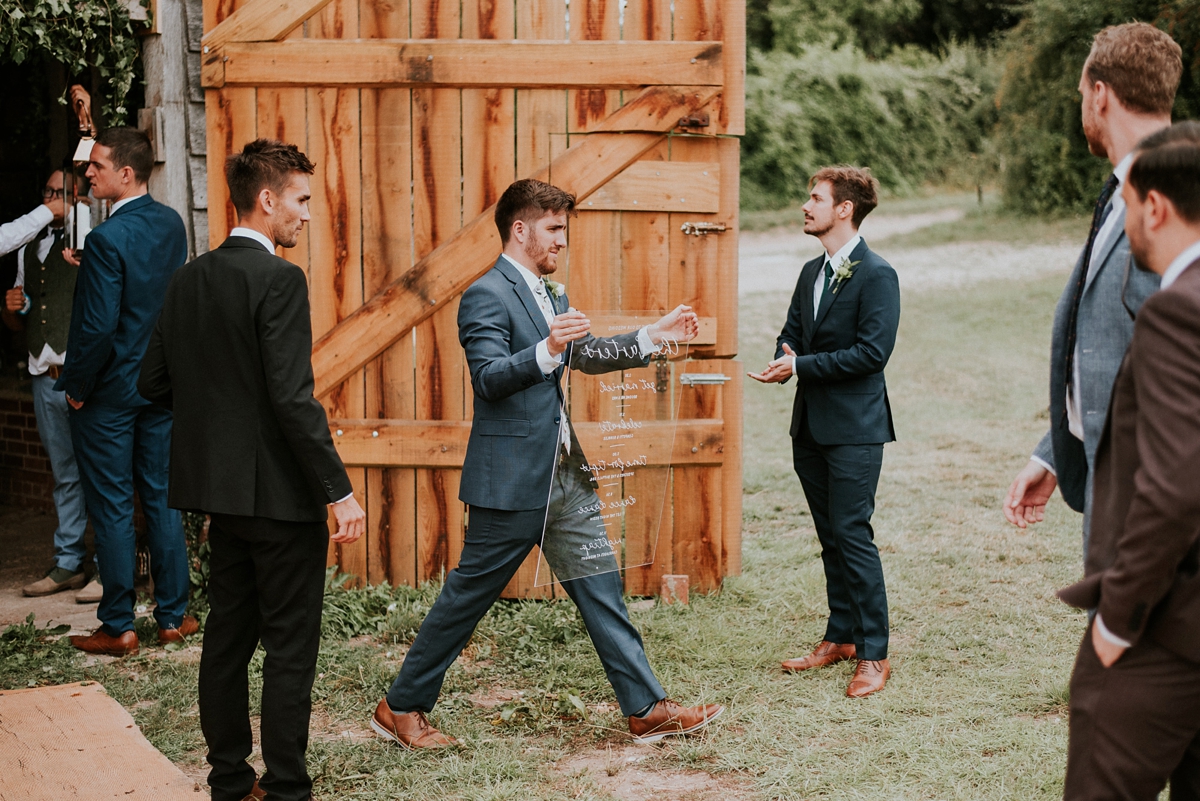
[[840, 331], [231, 354]]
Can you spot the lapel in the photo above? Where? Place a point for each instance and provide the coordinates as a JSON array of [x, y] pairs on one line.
[[136, 203], [1102, 249], [837, 290], [523, 292]]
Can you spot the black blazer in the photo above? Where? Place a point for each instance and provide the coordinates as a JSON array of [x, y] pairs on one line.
[[514, 437], [231, 355], [842, 351]]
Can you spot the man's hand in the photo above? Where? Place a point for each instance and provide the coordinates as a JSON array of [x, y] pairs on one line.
[[678, 325], [57, 206], [74, 404], [351, 520], [1107, 652], [14, 299], [1027, 497], [567, 327], [71, 256], [779, 370]]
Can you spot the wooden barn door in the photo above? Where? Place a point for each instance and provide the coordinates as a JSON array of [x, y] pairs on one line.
[[418, 113]]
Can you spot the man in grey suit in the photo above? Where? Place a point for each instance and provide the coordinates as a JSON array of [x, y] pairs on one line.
[[1128, 87], [524, 472]]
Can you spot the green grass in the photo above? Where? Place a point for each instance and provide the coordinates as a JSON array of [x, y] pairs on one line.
[[981, 648]]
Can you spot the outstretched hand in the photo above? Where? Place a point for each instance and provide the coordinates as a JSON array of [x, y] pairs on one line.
[[565, 328], [351, 520], [1028, 495], [779, 370], [678, 325]]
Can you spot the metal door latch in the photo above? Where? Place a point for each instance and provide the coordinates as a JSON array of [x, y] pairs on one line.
[[702, 228], [695, 121], [703, 379]]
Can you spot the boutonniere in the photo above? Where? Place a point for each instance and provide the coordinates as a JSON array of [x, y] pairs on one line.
[[555, 289], [843, 272]]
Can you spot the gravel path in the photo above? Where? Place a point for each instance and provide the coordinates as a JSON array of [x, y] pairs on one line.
[[770, 261]]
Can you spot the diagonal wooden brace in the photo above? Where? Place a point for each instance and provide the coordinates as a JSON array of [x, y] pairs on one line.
[[446, 272]]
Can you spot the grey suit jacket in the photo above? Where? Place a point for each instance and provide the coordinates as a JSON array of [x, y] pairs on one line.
[[514, 437], [1104, 327]]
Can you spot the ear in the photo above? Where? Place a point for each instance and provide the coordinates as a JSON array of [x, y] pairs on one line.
[[845, 209], [1101, 96], [266, 200], [519, 231], [1158, 210]]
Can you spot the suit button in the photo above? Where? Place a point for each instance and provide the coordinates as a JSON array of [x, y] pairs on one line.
[[556, 420]]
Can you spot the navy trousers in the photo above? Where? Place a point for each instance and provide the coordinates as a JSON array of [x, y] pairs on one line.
[[495, 545], [839, 482], [117, 449]]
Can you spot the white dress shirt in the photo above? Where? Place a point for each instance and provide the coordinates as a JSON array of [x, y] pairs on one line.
[[124, 202], [819, 285], [41, 362], [23, 229]]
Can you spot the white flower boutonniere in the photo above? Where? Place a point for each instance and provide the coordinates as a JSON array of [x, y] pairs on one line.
[[557, 290], [842, 272]]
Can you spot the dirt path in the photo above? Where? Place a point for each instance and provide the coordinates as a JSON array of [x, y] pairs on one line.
[[770, 261]]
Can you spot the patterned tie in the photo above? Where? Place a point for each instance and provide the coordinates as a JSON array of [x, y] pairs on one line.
[[828, 276], [1098, 217], [539, 291]]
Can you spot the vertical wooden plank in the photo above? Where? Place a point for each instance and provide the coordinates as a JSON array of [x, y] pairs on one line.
[[731, 118], [230, 122], [704, 21], [647, 20], [282, 115], [437, 215], [731, 470], [694, 269], [593, 20], [729, 157], [387, 252], [698, 517]]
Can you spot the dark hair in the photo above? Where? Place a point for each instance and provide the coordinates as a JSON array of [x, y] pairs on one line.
[[1168, 162], [1140, 63], [529, 200], [129, 147], [262, 164], [850, 183]]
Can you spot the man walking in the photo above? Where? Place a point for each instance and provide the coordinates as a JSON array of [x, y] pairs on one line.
[[45, 286], [840, 331], [231, 355], [1135, 690], [1128, 88], [523, 450], [121, 439]]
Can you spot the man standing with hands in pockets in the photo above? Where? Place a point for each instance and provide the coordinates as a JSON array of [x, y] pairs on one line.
[[231, 355]]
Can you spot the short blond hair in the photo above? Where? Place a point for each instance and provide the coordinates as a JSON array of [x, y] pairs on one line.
[[1140, 63]]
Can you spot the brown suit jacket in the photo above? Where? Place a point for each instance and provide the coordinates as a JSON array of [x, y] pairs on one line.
[[1142, 572]]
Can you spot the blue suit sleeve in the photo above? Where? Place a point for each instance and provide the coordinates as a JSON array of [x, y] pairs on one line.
[[95, 314], [484, 333], [878, 318]]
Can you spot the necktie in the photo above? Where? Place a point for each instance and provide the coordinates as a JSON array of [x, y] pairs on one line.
[[1098, 216], [828, 275], [539, 292]]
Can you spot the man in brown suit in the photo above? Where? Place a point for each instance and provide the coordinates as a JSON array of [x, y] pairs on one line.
[[1135, 691]]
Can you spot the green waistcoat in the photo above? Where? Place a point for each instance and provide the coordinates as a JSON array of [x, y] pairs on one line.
[[50, 286]]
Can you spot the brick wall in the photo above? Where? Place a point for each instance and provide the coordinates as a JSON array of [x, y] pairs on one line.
[[25, 477]]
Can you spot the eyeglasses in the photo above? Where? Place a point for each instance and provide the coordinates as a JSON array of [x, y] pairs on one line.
[[49, 192]]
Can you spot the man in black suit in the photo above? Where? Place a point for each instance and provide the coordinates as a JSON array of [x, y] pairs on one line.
[[524, 471], [840, 332], [231, 355]]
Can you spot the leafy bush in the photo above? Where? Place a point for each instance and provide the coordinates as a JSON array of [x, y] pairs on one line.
[[912, 118]]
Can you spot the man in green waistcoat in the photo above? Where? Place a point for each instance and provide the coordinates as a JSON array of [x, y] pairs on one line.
[[42, 297]]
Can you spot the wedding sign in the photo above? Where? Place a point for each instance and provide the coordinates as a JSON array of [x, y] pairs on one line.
[[624, 423]]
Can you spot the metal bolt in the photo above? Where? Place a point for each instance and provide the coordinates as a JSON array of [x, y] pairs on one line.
[[339, 432], [374, 433], [695, 450]]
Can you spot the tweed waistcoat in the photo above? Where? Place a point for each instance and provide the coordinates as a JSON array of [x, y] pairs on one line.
[[50, 286]]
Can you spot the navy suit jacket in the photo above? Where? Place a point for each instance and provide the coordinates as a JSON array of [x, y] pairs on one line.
[[127, 264], [842, 351], [514, 437]]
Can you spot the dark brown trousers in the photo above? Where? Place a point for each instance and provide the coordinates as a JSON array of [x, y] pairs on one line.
[[1134, 726]]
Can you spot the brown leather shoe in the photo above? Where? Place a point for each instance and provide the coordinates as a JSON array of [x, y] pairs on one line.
[[869, 677], [100, 643], [827, 653], [187, 628], [256, 793], [411, 730], [668, 718]]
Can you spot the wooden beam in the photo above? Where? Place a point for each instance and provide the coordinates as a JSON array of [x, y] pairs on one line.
[[443, 444], [259, 21], [661, 186], [455, 265], [462, 63]]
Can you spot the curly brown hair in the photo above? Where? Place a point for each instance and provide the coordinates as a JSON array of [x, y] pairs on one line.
[[1140, 63], [529, 200], [855, 184]]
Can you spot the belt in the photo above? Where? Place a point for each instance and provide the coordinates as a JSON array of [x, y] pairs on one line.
[[54, 371]]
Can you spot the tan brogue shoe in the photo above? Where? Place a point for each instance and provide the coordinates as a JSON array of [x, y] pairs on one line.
[[100, 643], [412, 730], [827, 653], [869, 677], [56, 579], [668, 718], [187, 628]]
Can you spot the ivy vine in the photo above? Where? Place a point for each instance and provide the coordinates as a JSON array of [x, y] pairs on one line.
[[79, 34]]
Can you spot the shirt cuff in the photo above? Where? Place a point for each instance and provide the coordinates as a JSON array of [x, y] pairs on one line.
[[1044, 464], [28, 303], [645, 344], [1108, 635], [794, 364], [348, 497], [43, 215], [547, 363]]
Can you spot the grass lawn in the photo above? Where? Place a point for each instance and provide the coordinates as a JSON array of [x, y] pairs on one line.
[[981, 648]]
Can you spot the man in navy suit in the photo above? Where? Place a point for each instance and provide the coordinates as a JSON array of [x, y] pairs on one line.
[[524, 471], [122, 440], [840, 332]]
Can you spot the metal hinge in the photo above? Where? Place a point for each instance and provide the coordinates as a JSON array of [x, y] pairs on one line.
[[703, 379], [662, 374], [702, 228], [695, 121]]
